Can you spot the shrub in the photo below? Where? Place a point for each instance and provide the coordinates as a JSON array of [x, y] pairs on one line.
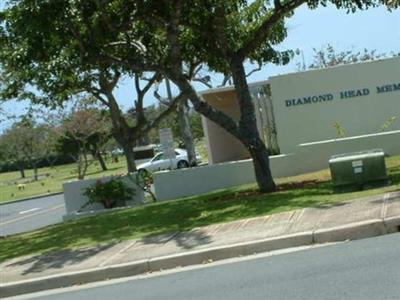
[[144, 180], [109, 193]]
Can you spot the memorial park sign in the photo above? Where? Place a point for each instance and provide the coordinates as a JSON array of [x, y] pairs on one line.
[[388, 88]]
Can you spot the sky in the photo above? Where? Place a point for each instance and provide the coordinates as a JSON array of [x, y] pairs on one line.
[[375, 28], [307, 29]]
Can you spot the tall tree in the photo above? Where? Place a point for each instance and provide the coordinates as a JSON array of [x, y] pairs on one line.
[[165, 37], [54, 64], [26, 143], [80, 135], [224, 35], [11, 151]]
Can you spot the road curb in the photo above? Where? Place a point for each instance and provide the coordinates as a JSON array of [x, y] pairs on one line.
[[351, 231], [225, 252], [392, 224], [155, 264], [31, 198], [73, 278]]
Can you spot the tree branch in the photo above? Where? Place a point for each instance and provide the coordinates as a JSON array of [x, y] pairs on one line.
[[204, 80], [220, 31], [115, 80], [160, 98], [137, 44], [144, 127], [155, 78], [226, 79], [204, 108], [173, 36], [140, 117], [97, 93], [261, 34], [254, 70]]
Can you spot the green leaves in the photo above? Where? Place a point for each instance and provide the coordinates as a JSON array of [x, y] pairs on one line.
[[25, 141], [109, 193], [60, 47], [352, 6]]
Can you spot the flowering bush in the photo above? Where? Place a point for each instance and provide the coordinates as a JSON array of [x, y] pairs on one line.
[[109, 193]]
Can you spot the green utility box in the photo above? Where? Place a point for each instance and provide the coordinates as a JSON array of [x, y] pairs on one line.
[[358, 168]]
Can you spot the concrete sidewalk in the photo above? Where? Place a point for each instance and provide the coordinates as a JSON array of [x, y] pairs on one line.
[[357, 219]]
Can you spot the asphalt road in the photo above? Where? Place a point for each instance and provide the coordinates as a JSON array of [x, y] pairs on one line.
[[32, 214], [364, 269]]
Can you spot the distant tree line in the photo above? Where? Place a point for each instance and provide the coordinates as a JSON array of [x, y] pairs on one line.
[[82, 135], [55, 160], [29, 144]]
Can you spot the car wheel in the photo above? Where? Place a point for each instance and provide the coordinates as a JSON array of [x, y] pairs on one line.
[[182, 164]]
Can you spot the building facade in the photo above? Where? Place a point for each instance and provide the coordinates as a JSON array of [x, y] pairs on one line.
[[311, 106]]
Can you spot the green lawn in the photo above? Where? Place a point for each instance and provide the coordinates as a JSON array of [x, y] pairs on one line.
[[308, 190], [50, 179]]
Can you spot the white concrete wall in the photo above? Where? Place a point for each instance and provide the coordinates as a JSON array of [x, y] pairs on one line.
[[304, 123], [74, 198], [307, 158], [315, 156], [187, 182]]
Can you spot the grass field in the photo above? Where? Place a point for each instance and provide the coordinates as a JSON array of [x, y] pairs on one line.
[[310, 190], [50, 179]]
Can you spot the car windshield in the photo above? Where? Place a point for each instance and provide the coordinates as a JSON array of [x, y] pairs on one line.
[[159, 156]]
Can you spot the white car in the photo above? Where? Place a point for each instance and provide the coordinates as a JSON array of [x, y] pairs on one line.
[[158, 162], [117, 151]]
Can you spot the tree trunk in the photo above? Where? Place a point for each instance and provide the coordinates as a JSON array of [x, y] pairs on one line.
[[184, 126], [186, 133], [121, 132], [250, 136], [127, 147], [82, 163], [21, 169], [32, 163], [144, 139], [261, 164], [80, 167], [101, 160], [246, 130], [85, 165], [130, 157], [97, 154], [35, 172]]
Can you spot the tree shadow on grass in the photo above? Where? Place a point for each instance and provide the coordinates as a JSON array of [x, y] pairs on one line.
[[101, 171], [151, 220], [92, 173], [168, 217]]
